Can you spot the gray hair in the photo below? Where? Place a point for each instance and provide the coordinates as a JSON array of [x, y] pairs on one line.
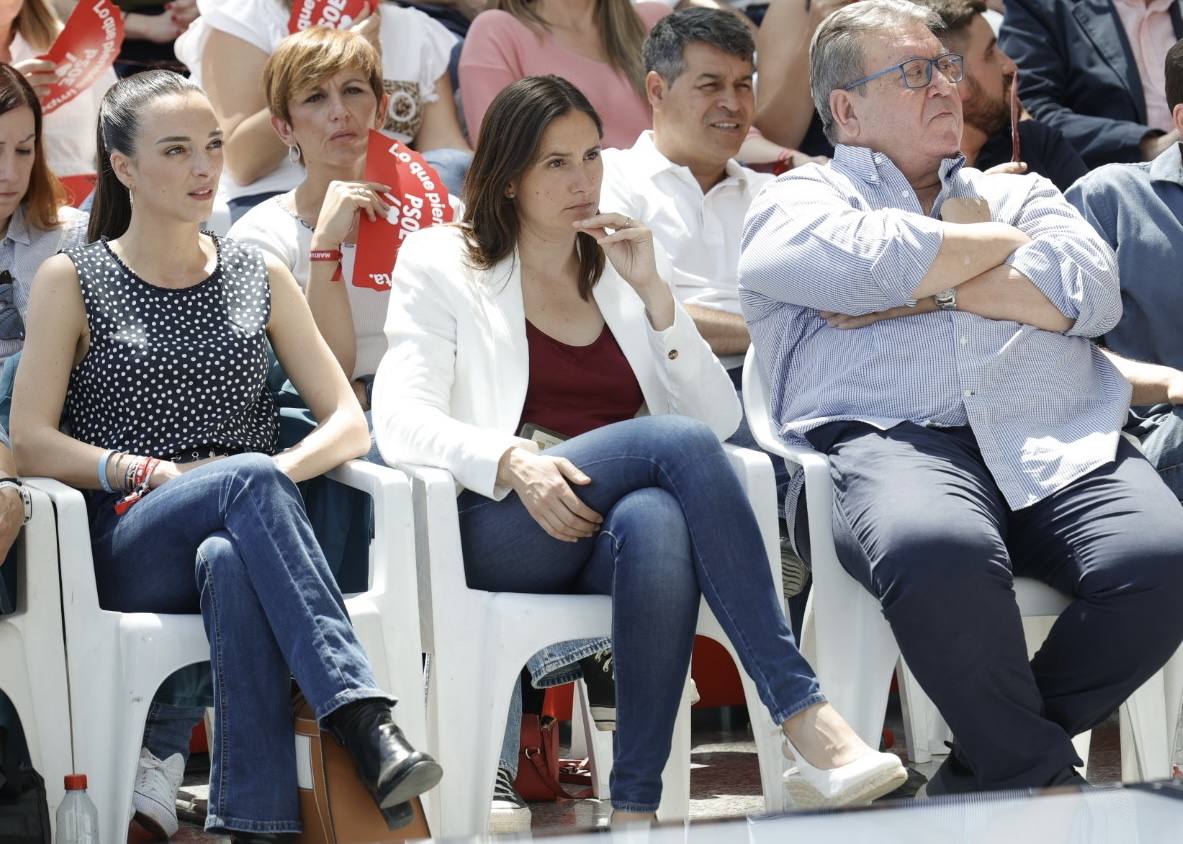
[[836, 52], [665, 48]]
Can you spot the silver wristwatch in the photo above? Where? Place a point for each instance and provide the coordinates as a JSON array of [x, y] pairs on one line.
[[947, 299]]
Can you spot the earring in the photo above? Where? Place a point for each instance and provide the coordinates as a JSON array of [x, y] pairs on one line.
[[294, 153], [510, 194]]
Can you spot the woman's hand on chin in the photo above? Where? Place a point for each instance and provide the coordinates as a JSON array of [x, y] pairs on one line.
[[629, 247]]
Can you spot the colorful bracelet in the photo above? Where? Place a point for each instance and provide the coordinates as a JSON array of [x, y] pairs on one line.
[[328, 256]]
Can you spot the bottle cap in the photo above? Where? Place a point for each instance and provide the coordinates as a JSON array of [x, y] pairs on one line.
[[75, 782]]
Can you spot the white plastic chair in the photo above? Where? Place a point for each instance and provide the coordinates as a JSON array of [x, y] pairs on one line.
[[33, 653], [117, 661], [479, 642], [851, 647]]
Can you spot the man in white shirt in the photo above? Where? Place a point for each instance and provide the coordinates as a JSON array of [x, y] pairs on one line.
[[682, 180]]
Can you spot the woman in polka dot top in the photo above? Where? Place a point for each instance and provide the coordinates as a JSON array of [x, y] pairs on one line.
[[153, 341]]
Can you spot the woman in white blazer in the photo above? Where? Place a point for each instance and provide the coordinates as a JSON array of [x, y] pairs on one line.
[[536, 308]]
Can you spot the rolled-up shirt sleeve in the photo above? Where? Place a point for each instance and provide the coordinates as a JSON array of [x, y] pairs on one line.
[[808, 244], [1068, 261]]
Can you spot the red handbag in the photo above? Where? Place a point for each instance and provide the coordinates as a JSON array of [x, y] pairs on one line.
[[540, 770]]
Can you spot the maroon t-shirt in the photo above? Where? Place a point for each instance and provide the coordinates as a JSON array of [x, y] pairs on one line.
[[576, 389]]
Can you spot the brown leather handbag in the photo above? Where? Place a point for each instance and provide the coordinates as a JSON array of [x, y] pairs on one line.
[[335, 807], [540, 770]]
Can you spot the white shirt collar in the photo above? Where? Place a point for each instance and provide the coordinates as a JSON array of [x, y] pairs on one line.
[[650, 161]]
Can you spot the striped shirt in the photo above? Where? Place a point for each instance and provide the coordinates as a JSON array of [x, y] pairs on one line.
[[852, 237]]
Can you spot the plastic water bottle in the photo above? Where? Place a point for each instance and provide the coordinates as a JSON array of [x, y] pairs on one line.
[[77, 818]]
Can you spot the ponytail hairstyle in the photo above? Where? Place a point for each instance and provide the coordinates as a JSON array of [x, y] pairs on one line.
[[119, 123]]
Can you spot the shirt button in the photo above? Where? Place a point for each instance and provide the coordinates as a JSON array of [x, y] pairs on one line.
[[964, 340], [673, 355], [969, 393]]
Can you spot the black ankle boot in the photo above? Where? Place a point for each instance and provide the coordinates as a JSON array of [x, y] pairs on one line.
[[391, 769]]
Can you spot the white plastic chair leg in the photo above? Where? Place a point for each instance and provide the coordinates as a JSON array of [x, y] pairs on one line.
[[919, 715], [1082, 743], [467, 745], [855, 674], [594, 743], [765, 731], [675, 778], [1145, 733]]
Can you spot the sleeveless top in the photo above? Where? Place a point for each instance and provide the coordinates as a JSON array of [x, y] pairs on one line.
[[174, 374], [576, 389]]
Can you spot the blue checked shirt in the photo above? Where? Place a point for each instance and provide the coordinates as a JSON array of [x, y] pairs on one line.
[[852, 237]]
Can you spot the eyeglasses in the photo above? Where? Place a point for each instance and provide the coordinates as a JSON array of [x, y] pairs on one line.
[[917, 73], [12, 327]]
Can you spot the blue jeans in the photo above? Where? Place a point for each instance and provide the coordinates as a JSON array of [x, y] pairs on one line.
[[230, 539], [1160, 430], [241, 204], [452, 166], [677, 526]]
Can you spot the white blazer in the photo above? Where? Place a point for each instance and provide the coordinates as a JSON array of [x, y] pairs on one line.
[[450, 389]]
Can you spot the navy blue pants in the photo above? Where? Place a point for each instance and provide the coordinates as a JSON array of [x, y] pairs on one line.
[[920, 522]]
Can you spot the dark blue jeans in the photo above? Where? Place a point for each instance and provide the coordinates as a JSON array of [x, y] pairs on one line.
[[920, 522], [241, 204], [230, 539], [1160, 430], [677, 526]]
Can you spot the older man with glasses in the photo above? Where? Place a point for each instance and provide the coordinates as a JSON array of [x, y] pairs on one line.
[[927, 327]]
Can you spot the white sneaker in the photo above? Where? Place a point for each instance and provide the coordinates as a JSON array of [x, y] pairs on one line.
[[509, 812], [155, 796], [861, 781]]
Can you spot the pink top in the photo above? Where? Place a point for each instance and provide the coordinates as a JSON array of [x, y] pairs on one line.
[[500, 50], [1150, 32]]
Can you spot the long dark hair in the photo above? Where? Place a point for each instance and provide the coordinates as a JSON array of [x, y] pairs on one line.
[[119, 122], [45, 194], [510, 136]]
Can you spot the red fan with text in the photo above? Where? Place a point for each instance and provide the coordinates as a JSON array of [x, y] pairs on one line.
[[86, 47], [417, 200], [336, 14]]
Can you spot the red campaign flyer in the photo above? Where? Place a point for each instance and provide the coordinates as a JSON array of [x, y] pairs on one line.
[[336, 14], [417, 199], [85, 49]]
